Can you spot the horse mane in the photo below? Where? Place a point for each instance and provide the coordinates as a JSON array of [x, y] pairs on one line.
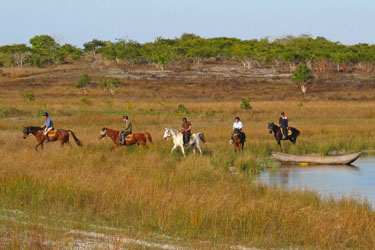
[[34, 128], [174, 130], [112, 130]]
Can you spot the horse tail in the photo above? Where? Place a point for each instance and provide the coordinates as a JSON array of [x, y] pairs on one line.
[[201, 136], [148, 137], [79, 143], [295, 131]]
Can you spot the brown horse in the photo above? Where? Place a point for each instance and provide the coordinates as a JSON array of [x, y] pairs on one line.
[[238, 142], [60, 135], [137, 138]]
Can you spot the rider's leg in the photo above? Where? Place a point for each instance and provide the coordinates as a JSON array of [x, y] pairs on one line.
[[46, 130], [285, 132], [188, 135], [185, 138]]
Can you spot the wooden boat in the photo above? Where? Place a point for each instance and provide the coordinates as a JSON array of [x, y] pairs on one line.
[[316, 159]]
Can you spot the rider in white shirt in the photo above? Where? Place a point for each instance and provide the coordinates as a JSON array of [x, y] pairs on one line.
[[237, 127], [237, 124]]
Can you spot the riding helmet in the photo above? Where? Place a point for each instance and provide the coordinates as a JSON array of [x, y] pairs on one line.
[[45, 114], [184, 119], [237, 118], [125, 117]]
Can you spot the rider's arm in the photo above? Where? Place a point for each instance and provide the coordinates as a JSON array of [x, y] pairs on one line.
[[189, 128]]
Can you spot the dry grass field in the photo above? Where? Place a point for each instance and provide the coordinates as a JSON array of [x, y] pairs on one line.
[[197, 202]]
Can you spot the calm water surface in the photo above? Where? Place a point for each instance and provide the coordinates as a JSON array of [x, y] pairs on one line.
[[357, 180]]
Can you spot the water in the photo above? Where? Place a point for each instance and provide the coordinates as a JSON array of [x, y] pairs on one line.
[[357, 180]]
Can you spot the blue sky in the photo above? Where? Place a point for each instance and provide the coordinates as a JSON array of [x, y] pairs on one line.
[[79, 21]]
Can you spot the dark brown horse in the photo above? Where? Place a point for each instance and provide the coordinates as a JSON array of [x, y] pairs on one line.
[[60, 135], [238, 141], [137, 138], [276, 130]]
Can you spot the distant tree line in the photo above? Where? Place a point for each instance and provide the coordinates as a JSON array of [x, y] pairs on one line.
[[44, 51], [318, 54]]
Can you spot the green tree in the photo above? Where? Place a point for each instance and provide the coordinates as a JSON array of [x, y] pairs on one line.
[[44, 42], [303, 76], [93, 46]]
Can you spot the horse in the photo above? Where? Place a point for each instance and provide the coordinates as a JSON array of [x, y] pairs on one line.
[[238, 141], [60, 135], [178, 140], [136, 138], [273, 128]]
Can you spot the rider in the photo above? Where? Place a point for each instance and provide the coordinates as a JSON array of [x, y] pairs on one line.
[[47, 126], [283, 123], [127, 129], [186, 130], [237, 128]]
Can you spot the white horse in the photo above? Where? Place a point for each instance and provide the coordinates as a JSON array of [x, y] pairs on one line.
[[178, 139]]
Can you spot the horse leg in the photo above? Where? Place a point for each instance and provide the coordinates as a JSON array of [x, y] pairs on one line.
[[199, 147], [39, 144], [174, 147], [183, 150], [193, 147]]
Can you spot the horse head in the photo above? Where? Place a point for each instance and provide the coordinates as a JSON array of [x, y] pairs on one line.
[[103, 133], [26, 132], [271, 126], [167, 133]]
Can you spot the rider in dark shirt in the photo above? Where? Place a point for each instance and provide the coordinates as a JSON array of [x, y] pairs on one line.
[[283, 123], [127, 130], [186, 130]]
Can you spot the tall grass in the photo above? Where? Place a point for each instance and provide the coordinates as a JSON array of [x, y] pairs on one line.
[[195, 198]]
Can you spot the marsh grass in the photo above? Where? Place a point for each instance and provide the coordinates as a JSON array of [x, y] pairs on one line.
[[196, 198]]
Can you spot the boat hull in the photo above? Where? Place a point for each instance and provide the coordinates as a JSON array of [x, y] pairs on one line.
[[316, 159]]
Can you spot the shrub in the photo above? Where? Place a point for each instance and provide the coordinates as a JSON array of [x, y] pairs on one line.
[[129, 106], [182, 109], [29, 96], [303, 76], [110, 83], [246, 104], [210, 114], [86, 100], [108, 102], [83, 82]]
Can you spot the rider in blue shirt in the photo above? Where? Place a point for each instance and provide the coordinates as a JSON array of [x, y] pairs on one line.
[[48, 124]]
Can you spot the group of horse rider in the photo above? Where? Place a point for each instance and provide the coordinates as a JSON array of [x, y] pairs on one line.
[[185, 128]]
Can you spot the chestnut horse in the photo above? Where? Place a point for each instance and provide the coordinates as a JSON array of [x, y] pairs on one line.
[[238, 142], [136, 138], [60, 135]]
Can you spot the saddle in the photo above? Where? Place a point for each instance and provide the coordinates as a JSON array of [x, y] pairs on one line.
[[240, 134], [129, 137], [289, 132], [52, 132]]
